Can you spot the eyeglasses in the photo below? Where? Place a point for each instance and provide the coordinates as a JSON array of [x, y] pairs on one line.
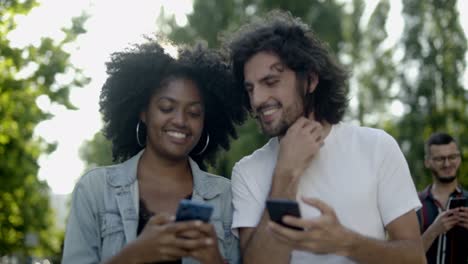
[[441, 159]]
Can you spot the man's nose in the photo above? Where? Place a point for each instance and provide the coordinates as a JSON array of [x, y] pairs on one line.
[[258, 96], [446, 160]]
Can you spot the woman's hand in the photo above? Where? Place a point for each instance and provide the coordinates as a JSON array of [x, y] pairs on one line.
[[160, 240], [208, 254]]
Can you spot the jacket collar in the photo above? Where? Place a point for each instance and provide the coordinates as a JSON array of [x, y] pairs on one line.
[[125, 174], [204, 184]]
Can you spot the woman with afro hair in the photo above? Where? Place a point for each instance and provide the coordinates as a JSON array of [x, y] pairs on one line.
[[166, 118]]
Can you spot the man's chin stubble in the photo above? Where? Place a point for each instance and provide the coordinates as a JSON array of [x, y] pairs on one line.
[[278, 131], [449, 179]]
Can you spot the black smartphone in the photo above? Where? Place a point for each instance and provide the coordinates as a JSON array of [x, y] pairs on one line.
[[193, 210], [277, 208], [455, 202]]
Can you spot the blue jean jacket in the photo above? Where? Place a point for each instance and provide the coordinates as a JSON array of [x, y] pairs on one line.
[[104, 212]]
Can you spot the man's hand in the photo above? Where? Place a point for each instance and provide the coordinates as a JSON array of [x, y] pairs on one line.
[[445, 221], [463, 217], [299, 145], [326, 235], [321, 235]]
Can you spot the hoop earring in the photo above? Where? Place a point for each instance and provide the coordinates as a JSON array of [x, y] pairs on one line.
[[138, 134], [206, 145]]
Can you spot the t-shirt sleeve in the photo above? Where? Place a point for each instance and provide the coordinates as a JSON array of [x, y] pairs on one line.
[[247, 209], [397, 194]]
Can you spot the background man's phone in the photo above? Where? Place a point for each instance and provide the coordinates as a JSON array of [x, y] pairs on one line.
[[277, 208], [193, 210], [455, 202], [458, 233]]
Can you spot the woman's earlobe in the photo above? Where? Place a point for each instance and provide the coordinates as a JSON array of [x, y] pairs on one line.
[[143, 117]]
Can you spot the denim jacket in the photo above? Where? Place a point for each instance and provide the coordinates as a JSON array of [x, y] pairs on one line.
[[104, 212]]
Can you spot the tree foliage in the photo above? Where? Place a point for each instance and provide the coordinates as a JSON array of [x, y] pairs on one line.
[[433, 45], [26, 73], [423, 71], [430, 79], [96, 152]]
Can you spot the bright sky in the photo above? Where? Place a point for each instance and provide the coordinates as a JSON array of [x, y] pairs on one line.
[[113, 25]]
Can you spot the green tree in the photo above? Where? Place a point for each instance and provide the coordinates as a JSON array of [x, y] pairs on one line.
[[210, 18], [430, 79], [371, 63], [96, 152], [26, 74], [427, 80]]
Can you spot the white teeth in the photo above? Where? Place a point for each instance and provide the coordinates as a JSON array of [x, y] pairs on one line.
[[176, 134], [269, 112]]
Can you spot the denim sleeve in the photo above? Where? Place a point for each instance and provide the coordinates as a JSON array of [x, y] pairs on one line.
[[231, 243], [82, 242], [233, 250]]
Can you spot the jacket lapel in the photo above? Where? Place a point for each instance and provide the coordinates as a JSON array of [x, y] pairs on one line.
[[128, 212], [125, 185], [204, 187]]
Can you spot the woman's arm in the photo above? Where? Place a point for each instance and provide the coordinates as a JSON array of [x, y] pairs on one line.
[[82, 242]]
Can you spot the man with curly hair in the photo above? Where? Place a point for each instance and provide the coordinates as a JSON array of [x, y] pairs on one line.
[[165, 118], [353, 185]]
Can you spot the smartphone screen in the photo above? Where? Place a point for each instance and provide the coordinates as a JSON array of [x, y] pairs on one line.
[[277, 208], [193, 210], [455, 202]]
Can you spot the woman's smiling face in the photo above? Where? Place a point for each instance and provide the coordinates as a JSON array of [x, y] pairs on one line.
[[174, 118]]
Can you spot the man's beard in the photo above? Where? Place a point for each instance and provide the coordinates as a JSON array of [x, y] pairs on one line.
[[290, 115], [279, 130], [444, 180]]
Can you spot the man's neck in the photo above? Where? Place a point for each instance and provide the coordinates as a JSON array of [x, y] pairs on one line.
[[443, 189]]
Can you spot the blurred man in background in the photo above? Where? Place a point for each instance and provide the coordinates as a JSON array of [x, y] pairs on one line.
[[444, 223]]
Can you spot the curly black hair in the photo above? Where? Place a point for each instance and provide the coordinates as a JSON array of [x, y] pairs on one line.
[[135, 74], [300, 50]]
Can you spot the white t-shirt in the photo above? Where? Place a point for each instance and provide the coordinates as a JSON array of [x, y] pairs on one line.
[[360, 172]]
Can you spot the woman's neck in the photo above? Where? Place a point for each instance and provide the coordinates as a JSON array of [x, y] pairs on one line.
[[153, 168], [163, 182]]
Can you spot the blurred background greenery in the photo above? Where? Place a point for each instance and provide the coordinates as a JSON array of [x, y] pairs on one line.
[[410, 86]]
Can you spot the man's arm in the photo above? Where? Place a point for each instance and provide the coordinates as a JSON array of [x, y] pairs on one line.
[[404, 244], [297, 148], [258, 247], [443, 223], [256, 243], [325, 235]]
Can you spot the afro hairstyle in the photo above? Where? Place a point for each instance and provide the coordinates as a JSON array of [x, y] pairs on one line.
[[136, 73]]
